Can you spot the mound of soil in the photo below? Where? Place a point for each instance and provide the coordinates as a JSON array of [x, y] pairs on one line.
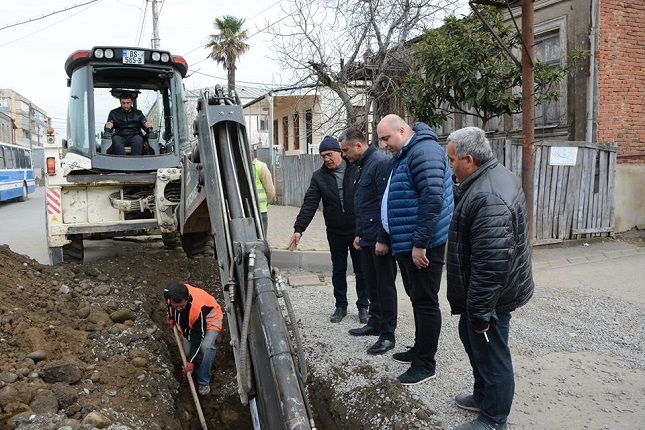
[[86, 345]]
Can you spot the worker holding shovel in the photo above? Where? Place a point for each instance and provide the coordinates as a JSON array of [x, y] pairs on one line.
[[198, 316]]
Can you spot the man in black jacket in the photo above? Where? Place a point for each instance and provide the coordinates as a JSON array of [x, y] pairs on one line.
[[373, 242], [126, 122], [334, 184], [489, 271]]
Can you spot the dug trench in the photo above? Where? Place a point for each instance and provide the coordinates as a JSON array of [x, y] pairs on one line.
[[88, 344]]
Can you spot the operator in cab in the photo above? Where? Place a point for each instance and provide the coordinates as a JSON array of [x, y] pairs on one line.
[[126, 124]]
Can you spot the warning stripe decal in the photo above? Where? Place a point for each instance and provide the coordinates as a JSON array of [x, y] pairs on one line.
[[53, 202]]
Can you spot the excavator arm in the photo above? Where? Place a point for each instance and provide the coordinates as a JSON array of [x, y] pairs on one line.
[[219, 203]]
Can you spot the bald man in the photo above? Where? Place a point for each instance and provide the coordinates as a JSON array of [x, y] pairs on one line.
[[416, 211]]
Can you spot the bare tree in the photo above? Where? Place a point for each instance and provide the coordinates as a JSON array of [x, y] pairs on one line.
[[358, 49]]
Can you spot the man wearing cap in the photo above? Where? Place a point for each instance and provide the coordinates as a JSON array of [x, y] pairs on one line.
[[333, 183], [198, 317]]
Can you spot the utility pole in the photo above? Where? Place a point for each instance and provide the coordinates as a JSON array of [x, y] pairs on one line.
[[528, 110], [155, 25]]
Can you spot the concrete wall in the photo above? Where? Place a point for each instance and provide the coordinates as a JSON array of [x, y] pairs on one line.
[[630, 197]]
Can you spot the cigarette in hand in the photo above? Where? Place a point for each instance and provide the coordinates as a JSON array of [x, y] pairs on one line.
[[486, 336]]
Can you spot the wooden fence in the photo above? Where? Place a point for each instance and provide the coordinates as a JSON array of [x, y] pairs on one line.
[[569, 202]]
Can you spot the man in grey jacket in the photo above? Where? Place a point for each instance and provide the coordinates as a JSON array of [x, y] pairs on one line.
[[489, 271]]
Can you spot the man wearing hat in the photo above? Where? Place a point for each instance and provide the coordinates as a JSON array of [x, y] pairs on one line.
[[198, 317], [333, 183]]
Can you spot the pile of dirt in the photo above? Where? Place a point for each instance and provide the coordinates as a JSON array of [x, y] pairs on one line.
[[86, 345]]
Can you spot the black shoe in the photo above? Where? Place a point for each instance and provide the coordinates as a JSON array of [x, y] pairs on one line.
[[381, 346], [363, 315], [405, 357], [416, 375], [366, 330], [338, 315], [467, 401]]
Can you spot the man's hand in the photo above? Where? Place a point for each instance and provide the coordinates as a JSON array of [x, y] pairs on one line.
[[171, 323], [188, 368], [294, 241], [381, 248], [356, 241], [419, 257], [147, 124], [109, 125]]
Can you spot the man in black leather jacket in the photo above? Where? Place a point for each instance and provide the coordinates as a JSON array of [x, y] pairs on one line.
[[333, 183], [488, 271], [126, 122]]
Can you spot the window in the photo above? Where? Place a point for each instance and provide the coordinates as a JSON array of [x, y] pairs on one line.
[[296, 131], [550, 48], [547, 50], [276, 141], [285, 133], [309, 128], [263, 123]]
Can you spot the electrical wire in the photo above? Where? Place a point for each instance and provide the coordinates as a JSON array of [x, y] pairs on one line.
[[47, 15]]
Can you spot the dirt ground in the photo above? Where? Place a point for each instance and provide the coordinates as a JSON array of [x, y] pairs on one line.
[[77, 339], [85, 346]]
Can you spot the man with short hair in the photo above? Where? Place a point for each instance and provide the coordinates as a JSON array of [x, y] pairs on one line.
[[198, 317], [489, 271], [373, 242], [126, 124], [416, 212], [333, 183]]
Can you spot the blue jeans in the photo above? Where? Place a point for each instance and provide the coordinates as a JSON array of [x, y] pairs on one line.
[[422, 286], [207, 352], [492, 367], [380, 276], [339, 244]]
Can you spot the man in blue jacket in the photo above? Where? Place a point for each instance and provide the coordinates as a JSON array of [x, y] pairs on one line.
[[373, 242], [333, 183], [416, 211]]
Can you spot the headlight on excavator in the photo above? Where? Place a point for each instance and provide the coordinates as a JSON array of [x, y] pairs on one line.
[[98, 53], [156, 56], [109, 54], [165, 57]]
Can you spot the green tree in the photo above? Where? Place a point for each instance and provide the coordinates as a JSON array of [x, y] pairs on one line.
[[463, 69], [227, 45]]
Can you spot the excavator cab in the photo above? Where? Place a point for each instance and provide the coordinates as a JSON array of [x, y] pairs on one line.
[[98, 77]]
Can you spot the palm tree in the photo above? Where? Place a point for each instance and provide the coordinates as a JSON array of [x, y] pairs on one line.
[[228, 45]]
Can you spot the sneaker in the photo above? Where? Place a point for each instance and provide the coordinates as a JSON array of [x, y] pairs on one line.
[[467, 401], [338, 315], [203, 390], [480, 425], [405, 357], [363, 315], [416, 375]]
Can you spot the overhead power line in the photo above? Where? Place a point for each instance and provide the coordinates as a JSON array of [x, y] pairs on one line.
[[47, 15]]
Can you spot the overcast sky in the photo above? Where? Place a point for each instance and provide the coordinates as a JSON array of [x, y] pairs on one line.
[[33, 54]]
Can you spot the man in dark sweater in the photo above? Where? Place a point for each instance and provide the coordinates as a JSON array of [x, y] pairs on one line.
[[333, 183]]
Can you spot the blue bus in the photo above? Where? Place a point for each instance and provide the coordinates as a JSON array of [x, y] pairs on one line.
[[16, 172]]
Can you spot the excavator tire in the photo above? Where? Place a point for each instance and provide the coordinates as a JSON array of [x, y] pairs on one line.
[[198, 244], [171, 240]]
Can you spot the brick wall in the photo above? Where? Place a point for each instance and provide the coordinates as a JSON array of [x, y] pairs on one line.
[[621, 77]]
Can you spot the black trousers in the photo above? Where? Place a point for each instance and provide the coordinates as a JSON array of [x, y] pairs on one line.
[[422, 286], [119, 142], [380, 276]]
